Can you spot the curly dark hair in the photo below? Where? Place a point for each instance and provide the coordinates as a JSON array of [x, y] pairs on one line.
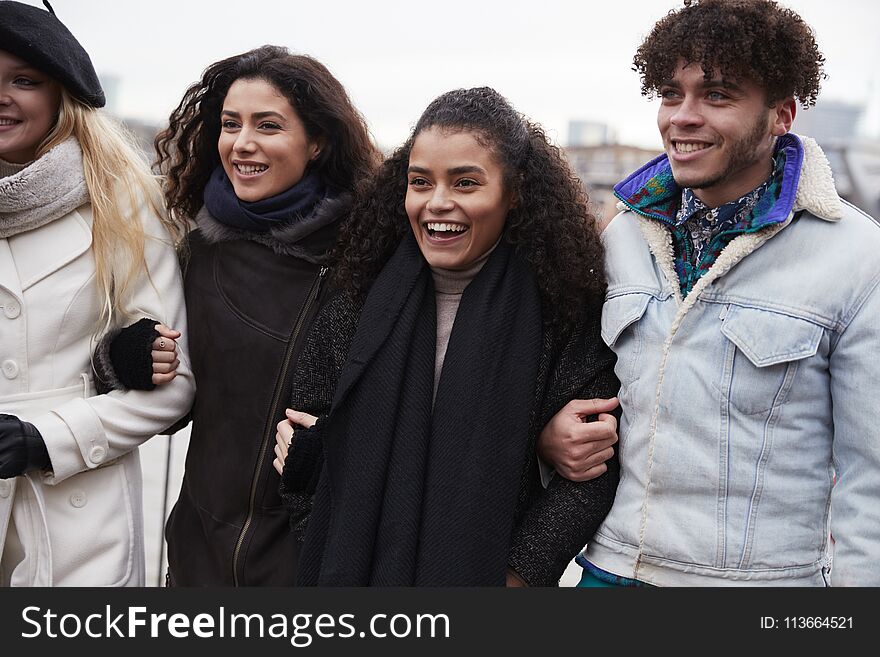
[[187, 149], [550, 224], [754, 40]]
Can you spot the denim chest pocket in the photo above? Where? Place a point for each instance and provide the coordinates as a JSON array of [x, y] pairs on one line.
[[620, 312], [620, 331], [765, 352]]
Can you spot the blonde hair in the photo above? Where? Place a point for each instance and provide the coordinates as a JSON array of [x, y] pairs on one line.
[[119, 182]]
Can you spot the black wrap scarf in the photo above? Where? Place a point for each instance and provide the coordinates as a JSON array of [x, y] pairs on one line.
[[408, 497]]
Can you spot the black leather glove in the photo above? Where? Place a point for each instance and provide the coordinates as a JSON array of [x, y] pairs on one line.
[[21, 447]]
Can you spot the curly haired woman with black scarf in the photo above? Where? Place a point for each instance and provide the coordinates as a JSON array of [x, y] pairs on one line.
[[471, 283]]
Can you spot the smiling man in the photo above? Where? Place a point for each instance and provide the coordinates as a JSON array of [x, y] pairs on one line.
[[743, 307]]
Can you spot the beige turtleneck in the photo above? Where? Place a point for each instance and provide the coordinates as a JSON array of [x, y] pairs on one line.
[[449, 285]]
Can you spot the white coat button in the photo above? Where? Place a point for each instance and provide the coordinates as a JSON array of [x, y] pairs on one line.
[[5, 488], [12, 309], [10, 369], [78, 499], [97, 454]]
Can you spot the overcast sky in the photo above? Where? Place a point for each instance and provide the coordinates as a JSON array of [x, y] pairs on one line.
[[555, 60]]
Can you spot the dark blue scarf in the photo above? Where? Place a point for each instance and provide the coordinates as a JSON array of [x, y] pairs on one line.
[[268, 213]]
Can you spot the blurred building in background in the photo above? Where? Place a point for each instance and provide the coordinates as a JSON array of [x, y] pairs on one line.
[[829, 121], [601, 162], [855, 161], [590, 133]]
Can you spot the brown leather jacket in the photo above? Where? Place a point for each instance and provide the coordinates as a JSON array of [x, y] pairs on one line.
[[251, 300]]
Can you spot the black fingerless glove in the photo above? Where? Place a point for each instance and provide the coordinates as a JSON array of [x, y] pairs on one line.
[[21, 447], [124, 360]]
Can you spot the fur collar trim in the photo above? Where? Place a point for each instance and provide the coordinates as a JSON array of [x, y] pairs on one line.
[[45, 190], [816, 192], [290, 239]]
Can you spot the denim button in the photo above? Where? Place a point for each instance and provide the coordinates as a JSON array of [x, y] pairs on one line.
[[5, 488]]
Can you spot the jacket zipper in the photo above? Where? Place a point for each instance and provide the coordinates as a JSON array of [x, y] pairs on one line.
[[270, 431]]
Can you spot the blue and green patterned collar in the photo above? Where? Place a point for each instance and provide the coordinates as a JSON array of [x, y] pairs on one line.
[[729, 213], [652, 191]]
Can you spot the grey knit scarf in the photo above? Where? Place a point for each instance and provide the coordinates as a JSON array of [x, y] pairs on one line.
[[45, 190]]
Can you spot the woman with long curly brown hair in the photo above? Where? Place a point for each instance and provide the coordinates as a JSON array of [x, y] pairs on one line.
[[471, 283], [262, 154]]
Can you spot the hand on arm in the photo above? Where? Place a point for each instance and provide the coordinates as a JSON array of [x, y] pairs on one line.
[[576, 449], [138, 357], [284, 435], [164, 355]]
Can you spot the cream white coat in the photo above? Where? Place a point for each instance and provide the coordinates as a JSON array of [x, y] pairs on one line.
[[82, 523]]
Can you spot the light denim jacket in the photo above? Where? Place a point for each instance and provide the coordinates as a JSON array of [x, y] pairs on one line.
[[742, 402]]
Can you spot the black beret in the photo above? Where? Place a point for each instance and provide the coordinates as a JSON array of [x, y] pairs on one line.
[[40, 39]]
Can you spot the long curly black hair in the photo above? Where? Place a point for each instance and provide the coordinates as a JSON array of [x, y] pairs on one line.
[[550, 224], [754, 40], [187, 149]]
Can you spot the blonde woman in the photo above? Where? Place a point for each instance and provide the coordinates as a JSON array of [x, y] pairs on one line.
[[83, 249]]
